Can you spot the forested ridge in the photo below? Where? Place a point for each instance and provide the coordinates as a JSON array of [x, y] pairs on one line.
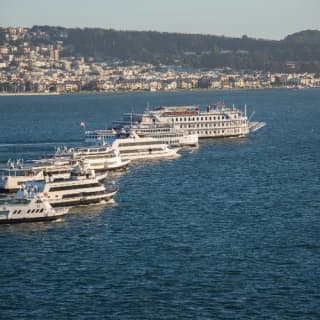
[[297, 52]]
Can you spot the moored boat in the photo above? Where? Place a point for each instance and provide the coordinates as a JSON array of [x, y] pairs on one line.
[[83, 187], [100, 158], [163, 133], [29, 206], [217, 120], [133, 147], [17, 173]]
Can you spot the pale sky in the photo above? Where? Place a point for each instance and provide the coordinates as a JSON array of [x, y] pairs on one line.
[[268, 19]]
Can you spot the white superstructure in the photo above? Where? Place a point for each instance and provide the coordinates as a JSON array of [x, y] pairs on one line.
[[145, 126], [217, 120], [168, 134], [100, 158], [164, 133], [136, 148], [131, 146], [82, 188], [16, 173]]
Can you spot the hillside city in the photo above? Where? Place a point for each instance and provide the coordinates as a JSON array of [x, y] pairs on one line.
[[31, 63]]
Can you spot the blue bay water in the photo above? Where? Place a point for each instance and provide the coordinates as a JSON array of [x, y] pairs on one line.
[[229, 230]]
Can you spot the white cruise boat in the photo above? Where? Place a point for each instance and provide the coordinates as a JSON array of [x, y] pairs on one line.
[[133, 147], [216, 121], [165, 133], [82, 188], [29, 206], [100, 158], [146, 126], [16, 173], [168, 135]]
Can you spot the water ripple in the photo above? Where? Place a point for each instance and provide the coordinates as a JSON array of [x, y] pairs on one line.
[[227, 231]]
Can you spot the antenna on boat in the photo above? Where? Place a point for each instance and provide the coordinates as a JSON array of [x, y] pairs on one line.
[[251, 115]]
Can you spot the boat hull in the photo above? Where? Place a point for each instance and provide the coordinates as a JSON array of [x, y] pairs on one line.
[[77, 201], [35, 219], [150, 156]]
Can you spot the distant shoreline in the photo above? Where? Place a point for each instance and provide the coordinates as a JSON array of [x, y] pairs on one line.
[[29, 94], [142, 91]]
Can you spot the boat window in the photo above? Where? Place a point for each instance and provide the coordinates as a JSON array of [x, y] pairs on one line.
[[33, 210], [28, 211], [15, 211], [41, 210]]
